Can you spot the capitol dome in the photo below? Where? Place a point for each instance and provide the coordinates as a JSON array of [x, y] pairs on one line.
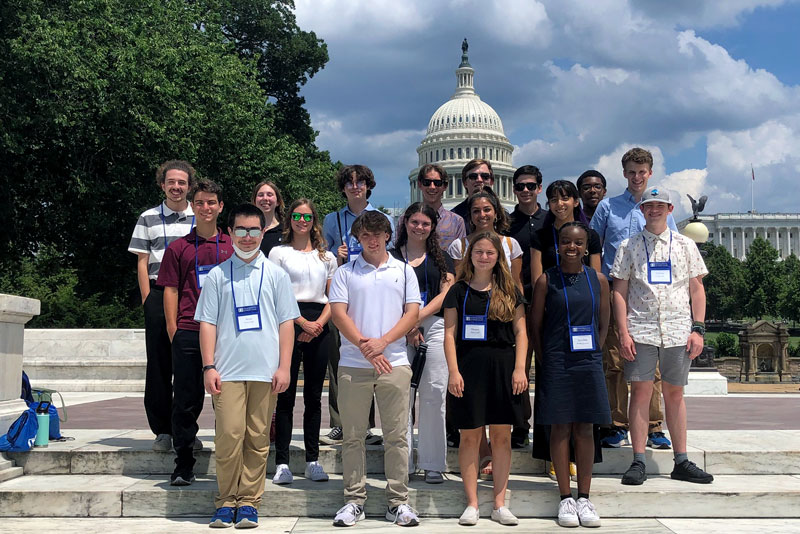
[[464, 128]]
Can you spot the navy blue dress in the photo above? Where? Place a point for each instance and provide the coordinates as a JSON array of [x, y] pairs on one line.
[[570, 386]]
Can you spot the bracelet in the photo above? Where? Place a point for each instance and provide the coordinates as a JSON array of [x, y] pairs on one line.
[[304, 322], [207, 367]]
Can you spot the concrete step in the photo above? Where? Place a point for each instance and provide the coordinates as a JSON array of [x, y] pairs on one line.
[[8, 469], [129, 452], [118, 452], [81, 385], [751, 496]]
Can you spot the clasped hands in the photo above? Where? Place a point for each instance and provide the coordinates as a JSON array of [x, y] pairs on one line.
[[311, 329], [372, 349]]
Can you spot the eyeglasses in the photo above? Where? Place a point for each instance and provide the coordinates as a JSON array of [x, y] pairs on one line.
[[589, 187], [307, 217], [241, 232], [522, 186], [353, 185], [486, 176], [427, 182]]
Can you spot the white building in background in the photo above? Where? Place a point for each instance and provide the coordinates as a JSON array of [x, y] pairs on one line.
[[464, 128], [736, 231]]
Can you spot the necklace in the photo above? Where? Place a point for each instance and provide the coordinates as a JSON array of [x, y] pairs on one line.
[[572, 277]]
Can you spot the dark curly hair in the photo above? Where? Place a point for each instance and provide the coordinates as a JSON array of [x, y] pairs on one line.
[[501, 224], [432, 243]]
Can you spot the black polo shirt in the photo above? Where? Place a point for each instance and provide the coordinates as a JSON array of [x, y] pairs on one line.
[[522, 226]]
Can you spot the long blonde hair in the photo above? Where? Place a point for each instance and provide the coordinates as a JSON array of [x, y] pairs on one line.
[[504, 292], [315, 235]]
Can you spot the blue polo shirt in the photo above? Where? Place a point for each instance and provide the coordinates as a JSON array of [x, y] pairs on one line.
[[335, 229], [253, 354], [616, 219]]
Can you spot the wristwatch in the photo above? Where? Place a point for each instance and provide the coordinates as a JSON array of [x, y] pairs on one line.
[[699, 327], [207, 367]]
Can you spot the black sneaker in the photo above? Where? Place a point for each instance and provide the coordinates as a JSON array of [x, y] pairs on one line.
[[519, 442], [181, 478], [453, 439], [688, 471], [372, 439], [635, 475], [334, 437]]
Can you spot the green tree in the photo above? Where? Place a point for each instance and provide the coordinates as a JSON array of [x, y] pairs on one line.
[[789, 298], [724, 285], [762, 278], [94, 94], [727, 344]]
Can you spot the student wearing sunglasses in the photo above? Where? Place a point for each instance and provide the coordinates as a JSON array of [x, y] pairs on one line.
[[432, 182], [475, 175], [310, 266]]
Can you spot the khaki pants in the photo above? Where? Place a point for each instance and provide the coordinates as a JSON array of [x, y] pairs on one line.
[[614, 367], [356, 389], [243, 412]]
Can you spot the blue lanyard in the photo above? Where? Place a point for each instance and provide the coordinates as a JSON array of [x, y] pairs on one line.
[[164, 226], [566, 298], [669, 256], [196, 247], [486, 313], [258, 296], [555, 245], [426, 266]]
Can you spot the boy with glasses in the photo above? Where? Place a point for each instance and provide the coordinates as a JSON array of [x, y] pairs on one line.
[[475, 175], [356, 183], [432, 182], [246, 313], [185, 266], [155, 229], [592, 189]]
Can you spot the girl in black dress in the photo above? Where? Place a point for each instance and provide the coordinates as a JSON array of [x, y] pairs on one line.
[[485, 345], [267, 197], [570, 315]]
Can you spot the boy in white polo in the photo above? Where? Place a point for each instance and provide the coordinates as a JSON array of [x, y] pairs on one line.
[[374, 302], [659, 307], [246, 313]]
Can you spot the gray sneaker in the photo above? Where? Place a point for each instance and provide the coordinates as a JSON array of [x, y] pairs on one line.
[[163, 443], [372, 439], [334, 437]]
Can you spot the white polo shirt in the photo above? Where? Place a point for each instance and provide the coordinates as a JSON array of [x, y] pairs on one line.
[[375, 298]]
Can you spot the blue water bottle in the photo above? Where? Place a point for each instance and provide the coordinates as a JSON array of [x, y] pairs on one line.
[[43, 420]]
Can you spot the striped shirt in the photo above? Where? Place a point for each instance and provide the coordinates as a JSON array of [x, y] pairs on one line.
[[155, 230]]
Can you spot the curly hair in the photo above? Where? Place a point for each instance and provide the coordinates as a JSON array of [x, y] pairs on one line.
[[175, 164], [501, 224], [431, 243], [317, 241], [504, 293], [348, 173]]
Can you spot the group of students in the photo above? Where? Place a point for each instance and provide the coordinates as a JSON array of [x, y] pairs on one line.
[[475, 294]]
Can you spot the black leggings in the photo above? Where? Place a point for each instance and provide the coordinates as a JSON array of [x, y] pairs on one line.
[[314, 356]]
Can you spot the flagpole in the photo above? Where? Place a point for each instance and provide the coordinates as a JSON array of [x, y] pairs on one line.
[[752, 190]]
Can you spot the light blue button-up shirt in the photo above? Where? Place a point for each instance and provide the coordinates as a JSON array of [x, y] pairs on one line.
[[616, 219], [336, 229], [253, 354]]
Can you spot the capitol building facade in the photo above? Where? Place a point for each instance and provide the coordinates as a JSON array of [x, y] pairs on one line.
[[736, 231], [464, 128]]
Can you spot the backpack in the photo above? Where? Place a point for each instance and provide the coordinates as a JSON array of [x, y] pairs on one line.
[[21, 434], [27, 392]]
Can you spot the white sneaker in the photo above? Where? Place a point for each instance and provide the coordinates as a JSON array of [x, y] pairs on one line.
[[568, 513], [348, 515], [163, 443], [403, 515], [504, 516], [587, 514], [315, 472], [283, 475], [470, 516]]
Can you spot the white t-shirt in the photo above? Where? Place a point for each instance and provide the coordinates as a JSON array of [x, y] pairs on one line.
[[309, 274], [374, 298], [455, 252]]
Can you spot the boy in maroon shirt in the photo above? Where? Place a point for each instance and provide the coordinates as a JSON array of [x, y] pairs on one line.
[[186, 263]]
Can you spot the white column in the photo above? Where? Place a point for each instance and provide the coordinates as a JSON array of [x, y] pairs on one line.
[[730, 240], [14, 313], [778, 240], [742, 250]]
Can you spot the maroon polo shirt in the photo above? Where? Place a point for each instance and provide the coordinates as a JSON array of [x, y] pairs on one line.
[[178, 270]]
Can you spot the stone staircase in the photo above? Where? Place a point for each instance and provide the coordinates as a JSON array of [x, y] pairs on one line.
[[114, 473], [8, 469]]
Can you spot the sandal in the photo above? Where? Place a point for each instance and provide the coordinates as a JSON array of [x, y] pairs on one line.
[[485, 468]]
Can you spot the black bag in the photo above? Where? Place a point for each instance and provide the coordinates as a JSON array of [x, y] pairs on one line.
[[418, 364]]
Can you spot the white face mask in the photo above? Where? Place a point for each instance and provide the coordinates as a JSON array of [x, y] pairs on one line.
[[245, 255]]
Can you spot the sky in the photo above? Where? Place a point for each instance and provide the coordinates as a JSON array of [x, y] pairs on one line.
[[709, 87]]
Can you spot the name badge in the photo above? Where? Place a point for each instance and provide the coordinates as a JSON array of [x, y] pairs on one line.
[[353, 251], [581, 338], [659, 272], [474, 327], [424, 296], [248, 318], [202, 271]]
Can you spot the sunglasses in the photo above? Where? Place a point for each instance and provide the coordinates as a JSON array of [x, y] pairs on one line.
[[522, 186], [485, 175], [241, 232], [427, 182], [307, 217]]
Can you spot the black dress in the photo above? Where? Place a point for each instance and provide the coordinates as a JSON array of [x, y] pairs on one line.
[[571, 386], [272, 238], [485, 366]]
